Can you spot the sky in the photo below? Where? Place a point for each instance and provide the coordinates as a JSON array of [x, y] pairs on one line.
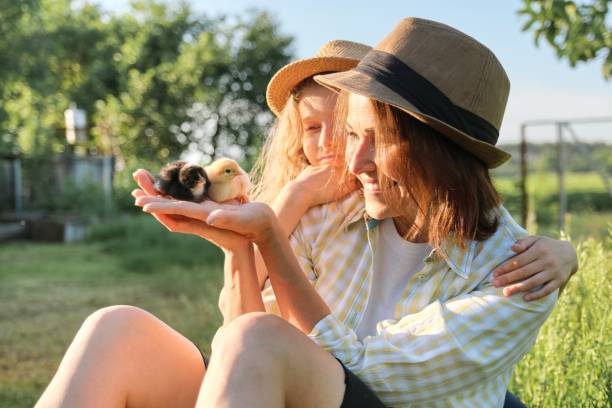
[[542, 86]]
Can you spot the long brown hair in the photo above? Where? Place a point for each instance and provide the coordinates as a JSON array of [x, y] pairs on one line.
[[450, 188]]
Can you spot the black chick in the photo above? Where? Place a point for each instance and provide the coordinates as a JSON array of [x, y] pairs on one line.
[[183, 181]]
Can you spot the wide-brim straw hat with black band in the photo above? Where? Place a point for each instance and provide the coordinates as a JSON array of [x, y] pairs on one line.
[[334, 56], [440, 76]]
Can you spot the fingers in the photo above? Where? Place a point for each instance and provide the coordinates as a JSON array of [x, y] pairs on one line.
[[527, 285], [524, 243], [143, 200], [519, 274], [516, 262], [160, 205], [177, 223], [546, 290], [138, 193], [145, 181]]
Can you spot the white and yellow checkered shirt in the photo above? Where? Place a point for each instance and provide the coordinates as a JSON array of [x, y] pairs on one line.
[[452, 340]]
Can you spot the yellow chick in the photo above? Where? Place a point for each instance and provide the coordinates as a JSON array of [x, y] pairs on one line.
[[227, 181]]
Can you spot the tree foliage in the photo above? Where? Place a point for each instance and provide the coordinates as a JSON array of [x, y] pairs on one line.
[[156, 81], [576, 31]]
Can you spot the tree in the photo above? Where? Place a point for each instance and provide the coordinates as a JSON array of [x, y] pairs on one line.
[[577, 32], [156, 81]]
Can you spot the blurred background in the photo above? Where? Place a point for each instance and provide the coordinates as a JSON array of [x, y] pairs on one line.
[[92, 90]]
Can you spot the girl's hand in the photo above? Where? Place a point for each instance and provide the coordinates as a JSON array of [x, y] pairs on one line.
[[318, 185], [226, 240], [540, 262]]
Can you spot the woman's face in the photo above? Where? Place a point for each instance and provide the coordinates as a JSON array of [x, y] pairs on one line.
[[316, 109], [361, 154]]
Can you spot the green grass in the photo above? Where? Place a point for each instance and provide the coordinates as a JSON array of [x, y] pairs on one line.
[[47, 290], [571, 363]]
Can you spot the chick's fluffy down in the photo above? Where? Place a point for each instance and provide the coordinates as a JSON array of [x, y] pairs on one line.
[[227, 181]]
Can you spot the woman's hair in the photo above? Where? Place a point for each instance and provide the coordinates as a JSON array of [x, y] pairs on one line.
[[450, 188], [282, 158]]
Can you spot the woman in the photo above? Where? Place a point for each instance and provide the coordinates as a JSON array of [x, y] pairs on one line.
[[420, 140], [130, 389]]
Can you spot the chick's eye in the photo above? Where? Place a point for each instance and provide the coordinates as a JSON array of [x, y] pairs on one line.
[[228, 171], [313, 128]]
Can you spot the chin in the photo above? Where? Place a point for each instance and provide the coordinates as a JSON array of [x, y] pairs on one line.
[[377, 210]]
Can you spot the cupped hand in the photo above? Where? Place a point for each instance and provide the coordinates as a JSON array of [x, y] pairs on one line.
[[541, 266], [181, 223], [320, 185], [252, 221]]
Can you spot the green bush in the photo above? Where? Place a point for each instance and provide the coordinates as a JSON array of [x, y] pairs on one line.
[[143, 245]]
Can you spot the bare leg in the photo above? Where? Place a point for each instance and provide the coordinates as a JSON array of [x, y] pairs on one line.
[[260, 360], [123, 356]]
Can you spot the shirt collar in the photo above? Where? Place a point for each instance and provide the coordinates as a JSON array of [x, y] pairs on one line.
[[459, 260]]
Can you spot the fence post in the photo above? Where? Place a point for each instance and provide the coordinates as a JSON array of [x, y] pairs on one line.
[[561, 172], [17, 190], [523, 182]]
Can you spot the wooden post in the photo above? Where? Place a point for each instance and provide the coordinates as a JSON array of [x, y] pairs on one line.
[[561, 172], [523, 182], [18, 193]]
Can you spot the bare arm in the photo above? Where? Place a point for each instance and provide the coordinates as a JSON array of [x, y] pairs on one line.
[[314, 186], [289, 206], [240, 293]]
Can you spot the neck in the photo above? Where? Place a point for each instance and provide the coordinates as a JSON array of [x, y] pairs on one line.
[[413, 229]]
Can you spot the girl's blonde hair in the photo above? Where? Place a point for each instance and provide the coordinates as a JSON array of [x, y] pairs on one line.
[[282, 157]]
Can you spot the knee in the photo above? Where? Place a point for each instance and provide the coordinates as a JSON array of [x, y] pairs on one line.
[[254, 333], [117, 320]]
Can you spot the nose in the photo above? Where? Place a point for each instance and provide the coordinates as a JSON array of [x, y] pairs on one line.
[[361, 156], [326, 136]]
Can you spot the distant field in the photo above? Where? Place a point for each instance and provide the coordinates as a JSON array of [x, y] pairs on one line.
[[546, 183], [589, 204]]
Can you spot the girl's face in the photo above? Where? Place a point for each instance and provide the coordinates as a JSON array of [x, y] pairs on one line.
[[361, 154], [316, 108]]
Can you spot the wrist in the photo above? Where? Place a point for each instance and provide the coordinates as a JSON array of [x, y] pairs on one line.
[[298, 193], [270, 232]]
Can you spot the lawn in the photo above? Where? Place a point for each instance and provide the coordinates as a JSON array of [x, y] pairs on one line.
[[46, 290]]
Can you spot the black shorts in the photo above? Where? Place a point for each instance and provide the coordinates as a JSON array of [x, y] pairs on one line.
[[356, 393]]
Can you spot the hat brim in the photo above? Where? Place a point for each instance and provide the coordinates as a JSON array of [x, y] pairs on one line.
[[288, 77], [361, 84]]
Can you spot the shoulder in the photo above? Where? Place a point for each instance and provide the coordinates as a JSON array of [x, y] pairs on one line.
[[331, 216], [490, 253]]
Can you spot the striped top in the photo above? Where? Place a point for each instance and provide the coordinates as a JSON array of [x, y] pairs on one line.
[[453, 338]]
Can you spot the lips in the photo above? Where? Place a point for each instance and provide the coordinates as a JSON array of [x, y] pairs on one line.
[[329, 158], [370, 187]]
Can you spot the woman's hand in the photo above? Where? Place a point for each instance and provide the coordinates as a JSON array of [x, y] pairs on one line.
[[220, 223], [540, 262], [146, 194], [319, 185]]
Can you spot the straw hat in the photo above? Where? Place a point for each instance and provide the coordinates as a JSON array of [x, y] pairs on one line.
[[334, 56], [440, 76]]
